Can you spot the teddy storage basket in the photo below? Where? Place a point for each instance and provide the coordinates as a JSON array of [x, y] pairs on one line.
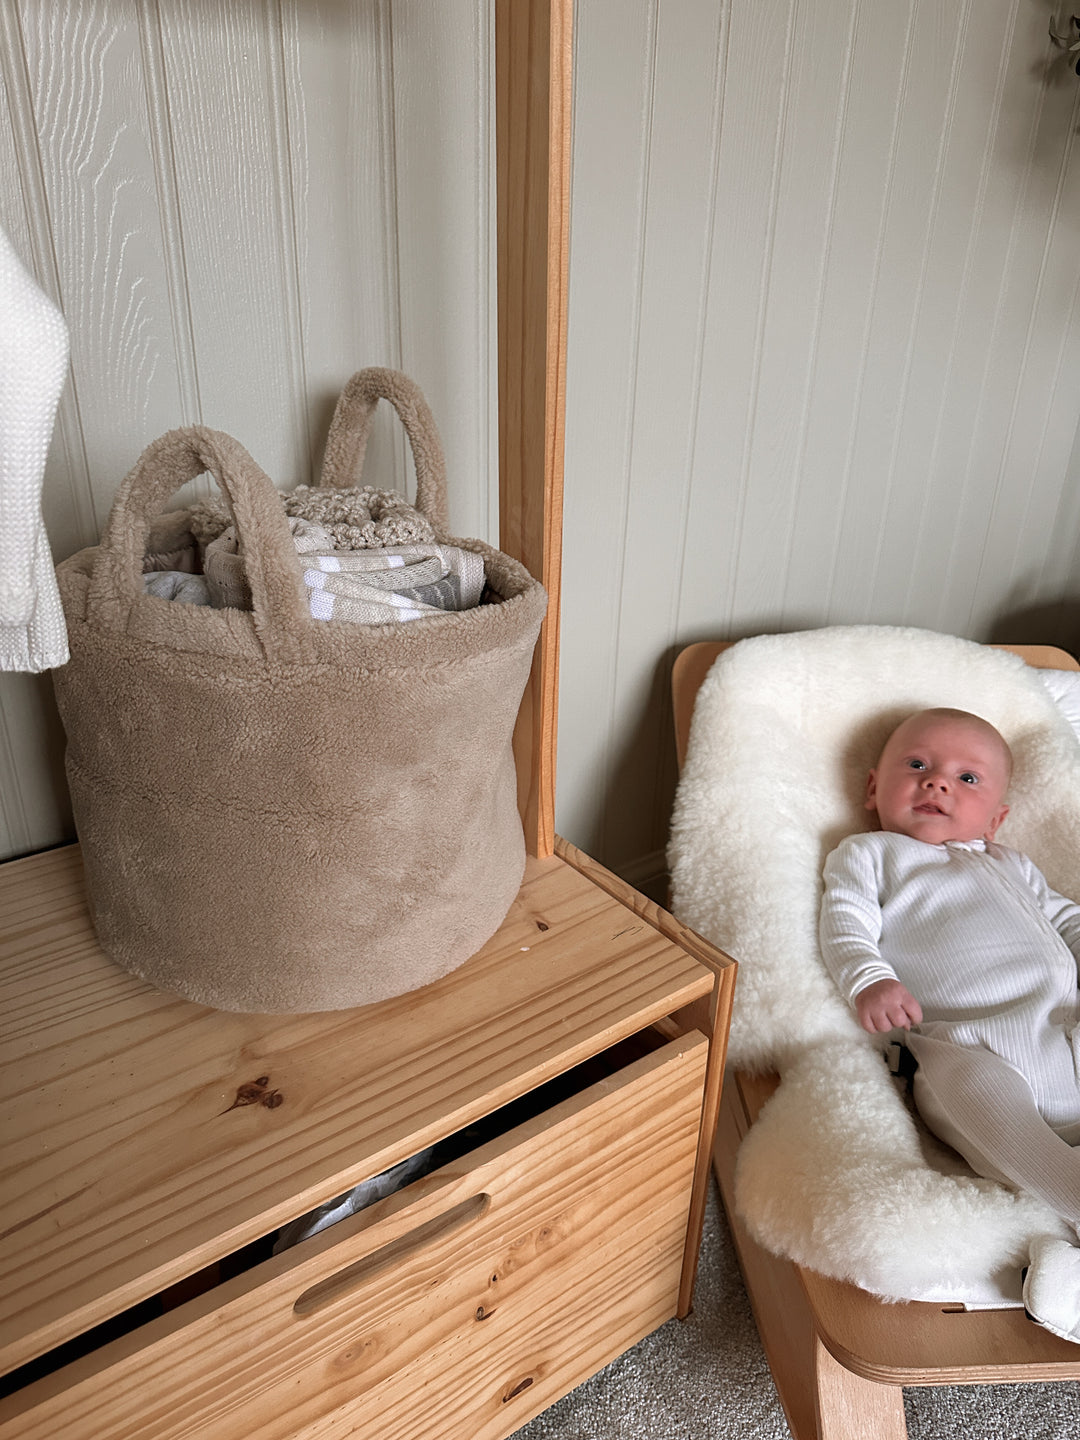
[[281, 813]]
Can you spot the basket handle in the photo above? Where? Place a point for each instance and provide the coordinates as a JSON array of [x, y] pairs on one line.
[[343, 459], [279, 602]]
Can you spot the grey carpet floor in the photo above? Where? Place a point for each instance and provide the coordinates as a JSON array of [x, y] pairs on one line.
[[705, 1378]]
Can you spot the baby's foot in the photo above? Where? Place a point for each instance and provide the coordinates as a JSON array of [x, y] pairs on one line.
[[1052, 1287]]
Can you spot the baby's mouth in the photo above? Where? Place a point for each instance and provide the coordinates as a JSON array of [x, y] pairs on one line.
[[928, 808]]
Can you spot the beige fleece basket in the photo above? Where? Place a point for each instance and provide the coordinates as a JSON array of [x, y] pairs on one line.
[[279, 813]]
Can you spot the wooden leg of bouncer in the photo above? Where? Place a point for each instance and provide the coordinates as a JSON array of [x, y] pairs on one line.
[[822, 1399], [851, 1408], [777, 1298]]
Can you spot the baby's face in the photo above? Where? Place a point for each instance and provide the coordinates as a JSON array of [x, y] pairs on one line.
[[941, 777]]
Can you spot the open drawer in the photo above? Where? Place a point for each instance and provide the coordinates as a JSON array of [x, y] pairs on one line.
[[463, 1305]]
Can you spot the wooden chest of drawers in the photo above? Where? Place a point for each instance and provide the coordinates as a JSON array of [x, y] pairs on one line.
[[151, 1145]]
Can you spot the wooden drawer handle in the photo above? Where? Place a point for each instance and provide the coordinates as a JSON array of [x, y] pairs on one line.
[[326, 1291]]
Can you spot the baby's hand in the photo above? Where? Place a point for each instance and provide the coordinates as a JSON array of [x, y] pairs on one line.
[[886, 1005]]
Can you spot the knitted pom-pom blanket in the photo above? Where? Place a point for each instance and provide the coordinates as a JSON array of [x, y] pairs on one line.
[[836, 1174], [358, 518]]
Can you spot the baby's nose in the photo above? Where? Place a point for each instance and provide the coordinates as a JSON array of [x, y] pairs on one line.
[[934, 781]]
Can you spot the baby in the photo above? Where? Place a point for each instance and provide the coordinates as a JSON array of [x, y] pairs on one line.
[[929, 926]]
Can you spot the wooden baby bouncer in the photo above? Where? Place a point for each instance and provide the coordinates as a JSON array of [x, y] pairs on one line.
[[840, 1354]]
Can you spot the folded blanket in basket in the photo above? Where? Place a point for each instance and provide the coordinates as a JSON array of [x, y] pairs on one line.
[[370, 587], [177, 585], [364, 586]]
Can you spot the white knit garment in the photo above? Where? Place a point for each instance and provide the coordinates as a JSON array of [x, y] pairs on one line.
[[33, 365]]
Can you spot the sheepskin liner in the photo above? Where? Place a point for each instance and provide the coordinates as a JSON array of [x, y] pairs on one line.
[[837, 1174]]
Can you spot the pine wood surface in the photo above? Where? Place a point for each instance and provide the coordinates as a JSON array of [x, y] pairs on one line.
[[128, 1161], [711, 1015], [533, 47], [570, 1248]]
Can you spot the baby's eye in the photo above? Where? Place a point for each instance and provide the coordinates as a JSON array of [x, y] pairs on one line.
[[968, 778], [916, 764]]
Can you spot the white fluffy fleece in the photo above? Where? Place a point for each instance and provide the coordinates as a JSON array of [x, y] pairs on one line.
[[835, 1173]]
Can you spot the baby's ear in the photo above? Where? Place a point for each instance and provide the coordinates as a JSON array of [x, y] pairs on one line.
[[995, 824], [871, 790]]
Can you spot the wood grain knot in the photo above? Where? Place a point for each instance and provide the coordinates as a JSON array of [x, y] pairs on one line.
[[518, 1388], [256, 1092]]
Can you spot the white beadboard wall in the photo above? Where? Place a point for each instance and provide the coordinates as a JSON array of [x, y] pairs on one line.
[[824, 356], [824, 359], [237, 203]]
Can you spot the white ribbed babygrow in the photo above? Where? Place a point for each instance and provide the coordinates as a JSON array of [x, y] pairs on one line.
[[991, 953]]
